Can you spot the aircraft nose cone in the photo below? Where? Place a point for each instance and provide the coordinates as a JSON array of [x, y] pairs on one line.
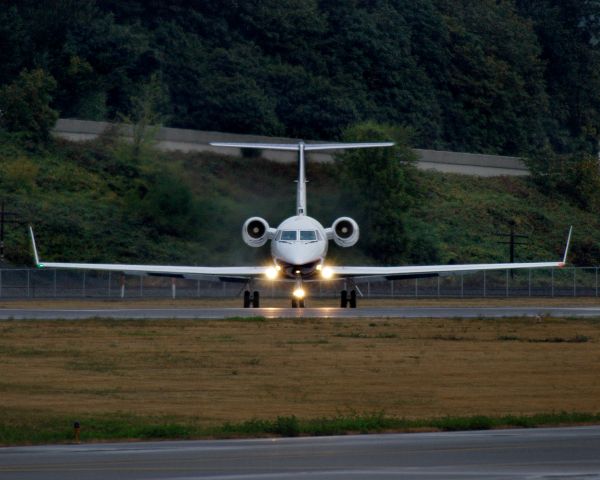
[[301, 258]]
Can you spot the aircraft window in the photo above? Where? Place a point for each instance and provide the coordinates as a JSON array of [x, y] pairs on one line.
[[289, 235], [308, 235]]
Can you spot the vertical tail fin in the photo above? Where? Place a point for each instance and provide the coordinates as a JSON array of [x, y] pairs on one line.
[[301, 147]]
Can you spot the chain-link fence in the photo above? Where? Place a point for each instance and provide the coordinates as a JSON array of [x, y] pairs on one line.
[[49, 283]]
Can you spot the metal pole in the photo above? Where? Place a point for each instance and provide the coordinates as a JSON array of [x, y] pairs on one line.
[[109, 284], [54, 284], [2, 232], [84, 276], [574, 286], [141, 286], [416, 287], [507, 282], [28, 288], [173, 288], [530, 282], [122, 286], [438, 286], [368, 289], [552, 281], [462, 284], [484, 285]]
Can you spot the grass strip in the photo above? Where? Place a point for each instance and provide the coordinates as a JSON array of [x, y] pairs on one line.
[[25, 430]]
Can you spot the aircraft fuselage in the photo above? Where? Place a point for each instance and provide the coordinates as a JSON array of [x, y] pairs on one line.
[[299, 246]]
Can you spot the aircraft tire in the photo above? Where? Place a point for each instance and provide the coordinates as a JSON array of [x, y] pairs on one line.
[[256, 299], [246, 299], [294, 303], [352, 299], [301, 303], [344, 299]]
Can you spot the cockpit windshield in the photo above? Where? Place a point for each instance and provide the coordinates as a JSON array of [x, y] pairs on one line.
[[289, 235], [308, 235]]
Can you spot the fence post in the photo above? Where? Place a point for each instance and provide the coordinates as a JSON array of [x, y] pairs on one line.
[[416, 287], [507, 282], [173, 288], [141, 286], [54, 284], [84, 276], [462, 284], [122, 286], [28, 286], [530, 282], [574, 285], [438, 285], [368, 289], [552, 281], [392, 288], [109, 284]]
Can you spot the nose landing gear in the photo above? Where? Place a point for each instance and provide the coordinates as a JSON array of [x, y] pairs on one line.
[[297, 302]]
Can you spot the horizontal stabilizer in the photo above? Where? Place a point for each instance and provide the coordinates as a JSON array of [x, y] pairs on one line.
[[297, 146]]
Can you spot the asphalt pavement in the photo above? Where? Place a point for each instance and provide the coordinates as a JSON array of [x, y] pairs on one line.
[[553, 453], [321, 312]]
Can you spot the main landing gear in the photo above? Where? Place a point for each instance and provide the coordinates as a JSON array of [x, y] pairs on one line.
[[348, 300], [251, 300]]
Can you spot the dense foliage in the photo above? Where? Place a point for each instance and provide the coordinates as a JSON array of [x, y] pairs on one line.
[[499, 76]]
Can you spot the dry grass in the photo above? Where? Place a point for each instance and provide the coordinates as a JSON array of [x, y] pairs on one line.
[[232, 370]]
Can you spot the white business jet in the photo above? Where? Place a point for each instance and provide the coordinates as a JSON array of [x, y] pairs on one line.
[[298, 247]]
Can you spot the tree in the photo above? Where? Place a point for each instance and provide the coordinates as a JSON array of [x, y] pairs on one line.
[[25, 106], [380, 187], [145, 117]]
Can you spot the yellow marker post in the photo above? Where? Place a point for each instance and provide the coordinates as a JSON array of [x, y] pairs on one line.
[[77, 428]]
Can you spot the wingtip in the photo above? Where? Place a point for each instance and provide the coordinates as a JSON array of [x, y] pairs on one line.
[[35, 251], [564, 261]]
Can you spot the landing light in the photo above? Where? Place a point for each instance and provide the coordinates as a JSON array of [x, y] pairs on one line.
[[299, 293], [271, 273], [327, 273]]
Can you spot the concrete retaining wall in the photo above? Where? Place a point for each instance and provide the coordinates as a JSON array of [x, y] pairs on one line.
[[173, 139]]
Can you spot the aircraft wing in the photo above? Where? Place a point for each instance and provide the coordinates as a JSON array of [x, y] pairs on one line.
[[424, 271], [231, 274], [359, 274]]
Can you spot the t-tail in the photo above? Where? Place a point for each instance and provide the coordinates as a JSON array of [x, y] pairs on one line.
[[301, 147]]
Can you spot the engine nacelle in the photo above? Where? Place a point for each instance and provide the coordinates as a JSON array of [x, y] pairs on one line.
[[344, 232], [256, 232]]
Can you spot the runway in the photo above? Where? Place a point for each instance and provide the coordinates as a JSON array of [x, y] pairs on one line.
[[322, 312], [500, 454]]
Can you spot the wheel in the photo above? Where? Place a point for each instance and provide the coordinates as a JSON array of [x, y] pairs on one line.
[[256, 299], [301, 303], [344, 299], [294, 303], [246, 299], [352, 299]]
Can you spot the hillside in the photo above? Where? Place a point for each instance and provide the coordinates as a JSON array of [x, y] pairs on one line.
[[92, 202]]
